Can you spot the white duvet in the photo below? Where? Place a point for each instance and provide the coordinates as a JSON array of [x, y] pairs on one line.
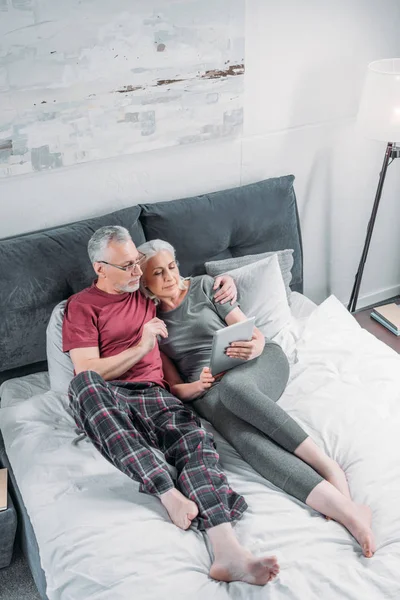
[[100, 539]]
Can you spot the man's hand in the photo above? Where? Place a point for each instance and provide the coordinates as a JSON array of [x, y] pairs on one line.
[[228, 291], [206, 379], [246, 350], [151, 330]]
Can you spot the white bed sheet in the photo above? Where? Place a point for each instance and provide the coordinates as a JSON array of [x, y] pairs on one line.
[[19, 389], [301, 307], [100, 539]]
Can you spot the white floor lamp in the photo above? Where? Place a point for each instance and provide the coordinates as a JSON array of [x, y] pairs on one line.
[[379, 117]]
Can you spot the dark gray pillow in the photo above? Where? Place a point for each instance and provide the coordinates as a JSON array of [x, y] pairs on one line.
[[38, 270], [285, 260], [253, 219]]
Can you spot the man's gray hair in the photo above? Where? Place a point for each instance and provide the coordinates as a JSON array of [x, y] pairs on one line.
[[150, 249], [101, 238]]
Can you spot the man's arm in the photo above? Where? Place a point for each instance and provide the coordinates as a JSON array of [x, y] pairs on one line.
[[112, 367], [88, 359], [227, 291]]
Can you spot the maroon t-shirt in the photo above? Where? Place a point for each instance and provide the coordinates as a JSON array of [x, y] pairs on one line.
[[113, 323]]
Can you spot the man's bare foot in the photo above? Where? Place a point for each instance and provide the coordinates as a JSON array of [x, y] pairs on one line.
[[243, 566], [359, 526], [181, 510]]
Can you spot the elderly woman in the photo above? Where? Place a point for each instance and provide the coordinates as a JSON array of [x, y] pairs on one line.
[[242, 404]]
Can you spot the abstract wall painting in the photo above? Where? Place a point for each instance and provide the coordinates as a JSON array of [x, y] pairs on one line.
[[92, 79]]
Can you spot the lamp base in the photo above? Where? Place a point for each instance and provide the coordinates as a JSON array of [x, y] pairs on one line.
[[392, 152]]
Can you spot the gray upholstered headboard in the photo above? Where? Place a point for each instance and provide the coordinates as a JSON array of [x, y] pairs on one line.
[[38, 270]]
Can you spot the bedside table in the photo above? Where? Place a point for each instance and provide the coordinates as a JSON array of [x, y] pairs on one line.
[[379, 331]]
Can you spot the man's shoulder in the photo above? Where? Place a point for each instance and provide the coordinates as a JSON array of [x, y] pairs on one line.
[[84, 296], [93, 299]]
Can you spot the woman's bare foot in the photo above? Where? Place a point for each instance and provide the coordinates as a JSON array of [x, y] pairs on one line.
[[243, 566], [336, 476], [357, 518], [324, 465], [359, 526], [181, 510]]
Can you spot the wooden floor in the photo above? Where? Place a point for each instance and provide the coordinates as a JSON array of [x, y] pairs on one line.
[[363, 316]]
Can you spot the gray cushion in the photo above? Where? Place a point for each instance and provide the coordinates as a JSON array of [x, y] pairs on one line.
[[61, 369], [255, 218], [40, 269], [261, 294], [285, 259]]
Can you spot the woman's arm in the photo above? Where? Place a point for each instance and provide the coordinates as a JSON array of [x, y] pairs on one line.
[[180, 389], [245, 350]]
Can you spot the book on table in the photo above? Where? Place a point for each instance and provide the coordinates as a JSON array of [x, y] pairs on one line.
[[389, 316], [3, 489]]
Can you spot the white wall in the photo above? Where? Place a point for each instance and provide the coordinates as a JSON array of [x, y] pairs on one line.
[[85, 80], [304, 68]]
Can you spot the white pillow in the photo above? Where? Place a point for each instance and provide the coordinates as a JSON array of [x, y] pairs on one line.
[[61, 369], [262, 294], [285, 261]]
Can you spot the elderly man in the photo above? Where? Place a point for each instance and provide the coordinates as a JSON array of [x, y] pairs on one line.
[[119, 398]]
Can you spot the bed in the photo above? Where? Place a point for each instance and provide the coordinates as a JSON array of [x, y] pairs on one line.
[[85, 529]]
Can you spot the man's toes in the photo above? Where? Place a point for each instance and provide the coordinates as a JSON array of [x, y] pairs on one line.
[[275, 569], [270, 562], [367, 551], [273, 575]]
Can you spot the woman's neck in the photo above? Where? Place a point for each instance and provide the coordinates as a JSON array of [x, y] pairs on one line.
[[171, 302]]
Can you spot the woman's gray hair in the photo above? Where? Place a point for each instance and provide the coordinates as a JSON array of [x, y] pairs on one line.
[[101, 238], [150, 249]]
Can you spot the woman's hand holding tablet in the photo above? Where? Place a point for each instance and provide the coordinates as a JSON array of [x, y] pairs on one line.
[[242, 331]]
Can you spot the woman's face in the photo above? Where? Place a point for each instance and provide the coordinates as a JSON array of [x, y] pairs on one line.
[[161, 275]]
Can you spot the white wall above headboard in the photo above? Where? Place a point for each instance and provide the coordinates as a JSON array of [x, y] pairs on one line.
[[305, 63], [90, 80]]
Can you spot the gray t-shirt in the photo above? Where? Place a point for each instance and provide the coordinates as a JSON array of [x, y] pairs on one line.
[[191, 327]]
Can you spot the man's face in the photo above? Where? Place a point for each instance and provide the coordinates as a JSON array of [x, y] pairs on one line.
[[111, 278]]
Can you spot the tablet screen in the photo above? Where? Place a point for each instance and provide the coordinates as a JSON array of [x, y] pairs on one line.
[[241, 331]]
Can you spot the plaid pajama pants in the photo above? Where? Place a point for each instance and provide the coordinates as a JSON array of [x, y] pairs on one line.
[[125, 421]]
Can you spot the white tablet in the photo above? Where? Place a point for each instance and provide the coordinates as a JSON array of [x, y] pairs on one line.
[[242, 331]]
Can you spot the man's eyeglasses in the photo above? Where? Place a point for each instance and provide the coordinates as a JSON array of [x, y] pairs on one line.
[[131, 266]]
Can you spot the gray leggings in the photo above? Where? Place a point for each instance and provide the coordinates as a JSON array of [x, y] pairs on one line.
[[242, 408]]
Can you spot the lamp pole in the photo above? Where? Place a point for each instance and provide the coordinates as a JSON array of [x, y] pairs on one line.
[[392, 152]]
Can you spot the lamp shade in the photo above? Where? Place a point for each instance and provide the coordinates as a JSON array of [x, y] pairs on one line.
[[379, 112]]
